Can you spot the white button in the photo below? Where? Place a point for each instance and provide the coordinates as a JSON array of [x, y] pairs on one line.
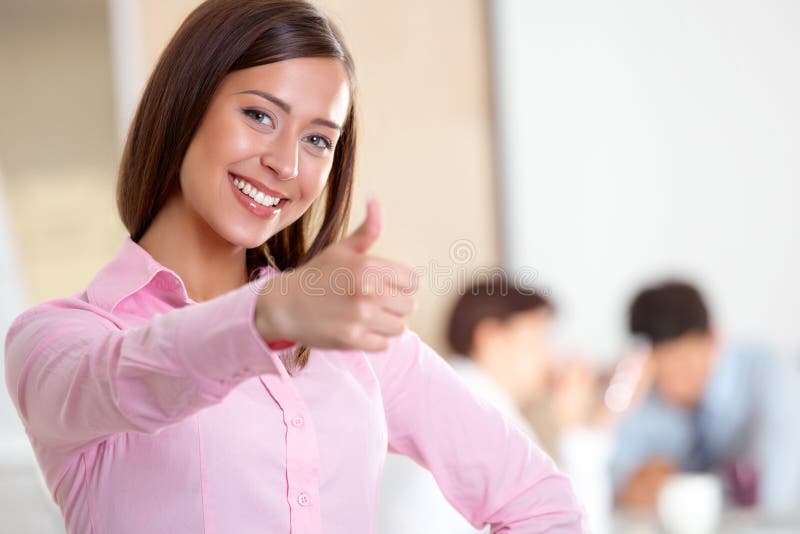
[[303, 499], [297, 421]]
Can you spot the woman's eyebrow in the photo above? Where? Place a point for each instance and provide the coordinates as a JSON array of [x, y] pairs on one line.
[[269, 96], [287, 108]]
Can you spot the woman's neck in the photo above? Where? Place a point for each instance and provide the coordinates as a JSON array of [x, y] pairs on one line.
[[183, 242]]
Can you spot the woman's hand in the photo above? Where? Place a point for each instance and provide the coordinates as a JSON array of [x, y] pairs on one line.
[[341, 299], [574, 394]]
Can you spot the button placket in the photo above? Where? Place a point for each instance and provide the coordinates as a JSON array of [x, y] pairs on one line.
[[302, 453]]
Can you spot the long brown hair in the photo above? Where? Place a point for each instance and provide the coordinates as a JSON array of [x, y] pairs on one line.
[[218, 37]]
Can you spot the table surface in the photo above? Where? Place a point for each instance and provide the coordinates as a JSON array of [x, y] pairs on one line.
[[732, 522]]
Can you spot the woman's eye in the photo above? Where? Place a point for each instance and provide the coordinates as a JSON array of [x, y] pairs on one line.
[[259, 116], [319, 141]]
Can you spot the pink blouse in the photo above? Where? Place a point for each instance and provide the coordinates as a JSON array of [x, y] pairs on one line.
[[149, 412]]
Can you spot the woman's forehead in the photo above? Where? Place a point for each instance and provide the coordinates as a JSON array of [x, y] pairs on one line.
[[316, 86]]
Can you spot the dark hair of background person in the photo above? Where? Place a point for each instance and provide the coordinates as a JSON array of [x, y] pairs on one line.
[[495, 297], [667, 311], [218, 37]]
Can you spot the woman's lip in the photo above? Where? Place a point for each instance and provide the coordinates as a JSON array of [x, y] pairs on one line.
[[259, 185], [259, 210]]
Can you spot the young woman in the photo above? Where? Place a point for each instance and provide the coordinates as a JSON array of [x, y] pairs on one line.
[[180, 391]]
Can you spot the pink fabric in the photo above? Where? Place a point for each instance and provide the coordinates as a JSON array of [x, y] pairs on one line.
[[149, 412]]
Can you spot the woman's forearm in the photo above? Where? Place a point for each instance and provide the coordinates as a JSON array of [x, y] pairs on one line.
[[76, 377]]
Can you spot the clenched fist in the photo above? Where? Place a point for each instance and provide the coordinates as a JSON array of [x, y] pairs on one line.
[[343, 298]]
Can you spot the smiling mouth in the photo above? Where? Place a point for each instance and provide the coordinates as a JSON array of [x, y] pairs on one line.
[[260, 197]]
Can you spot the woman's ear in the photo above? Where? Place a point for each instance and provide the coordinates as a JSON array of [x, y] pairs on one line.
[[486, 336]]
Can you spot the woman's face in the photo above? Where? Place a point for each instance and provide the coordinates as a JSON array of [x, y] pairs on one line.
[[529, 348], [264, 148]]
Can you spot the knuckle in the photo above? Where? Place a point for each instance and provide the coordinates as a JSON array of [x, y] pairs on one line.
[[351, 334], [368, 263], [363, 293], [402, 305], [408, 304], [398, 328], [364, 309], [362, 264]]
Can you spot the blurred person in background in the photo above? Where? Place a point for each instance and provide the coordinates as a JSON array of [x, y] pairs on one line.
[[710, 407], [503, 343]]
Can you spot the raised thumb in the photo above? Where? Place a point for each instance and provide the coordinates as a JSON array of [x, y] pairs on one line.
[[365, 235]]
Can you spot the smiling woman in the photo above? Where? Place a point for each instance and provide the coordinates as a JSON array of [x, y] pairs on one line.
[[215, 376], [266, 143]]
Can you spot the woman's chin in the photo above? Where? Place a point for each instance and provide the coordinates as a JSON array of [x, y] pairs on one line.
[[250, 242], [247, 234], [245, 237]]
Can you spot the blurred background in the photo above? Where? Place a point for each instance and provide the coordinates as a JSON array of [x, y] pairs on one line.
[[592, 147]]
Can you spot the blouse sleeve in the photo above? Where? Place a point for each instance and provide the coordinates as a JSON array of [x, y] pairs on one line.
[[76, 377], [487, 468]]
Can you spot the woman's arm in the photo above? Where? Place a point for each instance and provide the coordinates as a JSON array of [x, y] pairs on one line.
[[76, 378], [487, 468]]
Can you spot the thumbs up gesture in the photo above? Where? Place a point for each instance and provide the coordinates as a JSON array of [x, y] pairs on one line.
[[343, 298], [362, 239]]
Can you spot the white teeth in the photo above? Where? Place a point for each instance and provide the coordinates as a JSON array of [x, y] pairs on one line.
[[255, 194]]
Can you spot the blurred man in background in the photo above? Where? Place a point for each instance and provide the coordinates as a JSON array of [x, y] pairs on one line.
[[502, 336], [710, 408]]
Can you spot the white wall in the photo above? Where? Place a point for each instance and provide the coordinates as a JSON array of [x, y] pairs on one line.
[[644, 138]]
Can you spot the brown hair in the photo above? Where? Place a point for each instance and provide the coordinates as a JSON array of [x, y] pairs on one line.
[[493, 297], [218, 37], [668, 310]]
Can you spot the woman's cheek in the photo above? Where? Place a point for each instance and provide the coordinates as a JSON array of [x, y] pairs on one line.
[[243, 144], [322, 175]]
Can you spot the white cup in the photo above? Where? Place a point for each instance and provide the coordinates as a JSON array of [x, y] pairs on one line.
[[690, 503]]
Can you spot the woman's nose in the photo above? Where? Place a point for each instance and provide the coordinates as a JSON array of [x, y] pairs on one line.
[[281, 156]]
